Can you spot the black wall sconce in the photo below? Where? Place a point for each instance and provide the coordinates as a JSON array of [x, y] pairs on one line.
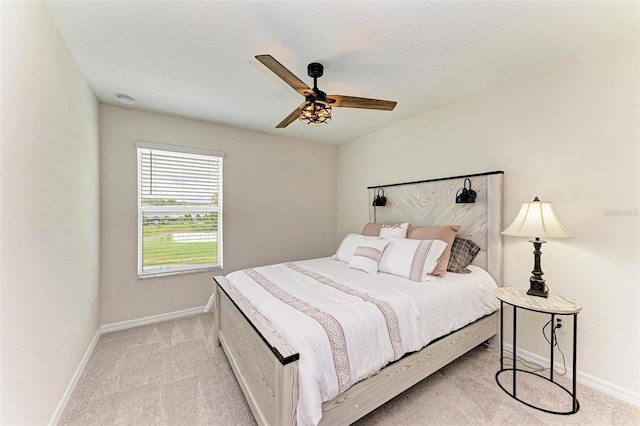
[[466, 195], [379, 200]]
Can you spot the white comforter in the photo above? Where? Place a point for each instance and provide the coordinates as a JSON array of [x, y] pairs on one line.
[[347, 324]]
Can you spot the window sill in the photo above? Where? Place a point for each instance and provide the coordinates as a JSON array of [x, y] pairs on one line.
[[181, 272]]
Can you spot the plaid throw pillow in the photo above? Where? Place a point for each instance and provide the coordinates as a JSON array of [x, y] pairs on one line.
[[462, 254]]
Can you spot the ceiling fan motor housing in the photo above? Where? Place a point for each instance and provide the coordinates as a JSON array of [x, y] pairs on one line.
[[315, 70]]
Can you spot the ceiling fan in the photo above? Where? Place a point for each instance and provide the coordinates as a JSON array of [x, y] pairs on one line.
[[316, 110]]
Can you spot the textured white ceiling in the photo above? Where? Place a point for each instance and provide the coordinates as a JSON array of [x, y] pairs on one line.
[[196, 59]]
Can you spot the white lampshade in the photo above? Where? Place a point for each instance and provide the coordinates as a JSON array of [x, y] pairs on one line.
[[537, 220]]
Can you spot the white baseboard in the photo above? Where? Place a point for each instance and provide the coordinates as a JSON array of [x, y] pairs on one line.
[[603, 386], [116, 326], [74, 380], [108, 328]]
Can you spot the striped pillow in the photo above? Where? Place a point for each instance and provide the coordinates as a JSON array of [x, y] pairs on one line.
[[445, 233], [413, 259], [348, 245], [367, 255]]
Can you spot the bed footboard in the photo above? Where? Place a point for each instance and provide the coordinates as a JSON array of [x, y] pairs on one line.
[[367, 395], [266, 366], [264, 363]]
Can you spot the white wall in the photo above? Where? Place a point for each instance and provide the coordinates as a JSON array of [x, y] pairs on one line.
[[568, 133], [50, 215], [279, 204]]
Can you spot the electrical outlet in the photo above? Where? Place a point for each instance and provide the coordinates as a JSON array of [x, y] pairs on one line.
[[561, 326]]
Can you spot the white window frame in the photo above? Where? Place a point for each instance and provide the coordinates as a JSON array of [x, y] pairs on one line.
[[164, 270]]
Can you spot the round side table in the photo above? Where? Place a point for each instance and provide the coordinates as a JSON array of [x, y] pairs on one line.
[[552, 305]]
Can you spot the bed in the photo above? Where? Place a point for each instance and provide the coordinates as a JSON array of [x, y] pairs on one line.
[[266, 318]]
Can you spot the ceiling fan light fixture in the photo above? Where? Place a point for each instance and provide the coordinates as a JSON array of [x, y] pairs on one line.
[[315, 113]]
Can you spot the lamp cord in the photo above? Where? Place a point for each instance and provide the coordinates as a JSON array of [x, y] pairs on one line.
[[556, 344], [537, 368], [527, 364]]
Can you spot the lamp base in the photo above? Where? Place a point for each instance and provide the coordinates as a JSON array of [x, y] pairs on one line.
[[537, 288]]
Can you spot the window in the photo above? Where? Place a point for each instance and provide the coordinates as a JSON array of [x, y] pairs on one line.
[[179, 210]]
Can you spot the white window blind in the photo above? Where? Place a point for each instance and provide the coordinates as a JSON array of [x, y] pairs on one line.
[[179, 210]]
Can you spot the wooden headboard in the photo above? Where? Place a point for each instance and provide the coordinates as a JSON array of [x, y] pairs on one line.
[[433, 203]]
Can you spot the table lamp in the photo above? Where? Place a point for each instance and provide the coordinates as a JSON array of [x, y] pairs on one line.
[[537, 220]]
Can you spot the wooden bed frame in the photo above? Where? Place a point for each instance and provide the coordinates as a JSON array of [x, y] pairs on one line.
[[265, 364]]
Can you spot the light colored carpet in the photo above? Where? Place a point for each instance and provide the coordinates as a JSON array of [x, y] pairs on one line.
[[171, 374]]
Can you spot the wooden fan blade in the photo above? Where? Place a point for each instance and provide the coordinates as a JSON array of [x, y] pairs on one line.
[[355, 102], [286, 75], [290, 119]]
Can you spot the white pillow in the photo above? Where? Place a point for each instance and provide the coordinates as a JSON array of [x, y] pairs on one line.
[[367, 255], [348, 246], [413, 259], [399, 230]]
